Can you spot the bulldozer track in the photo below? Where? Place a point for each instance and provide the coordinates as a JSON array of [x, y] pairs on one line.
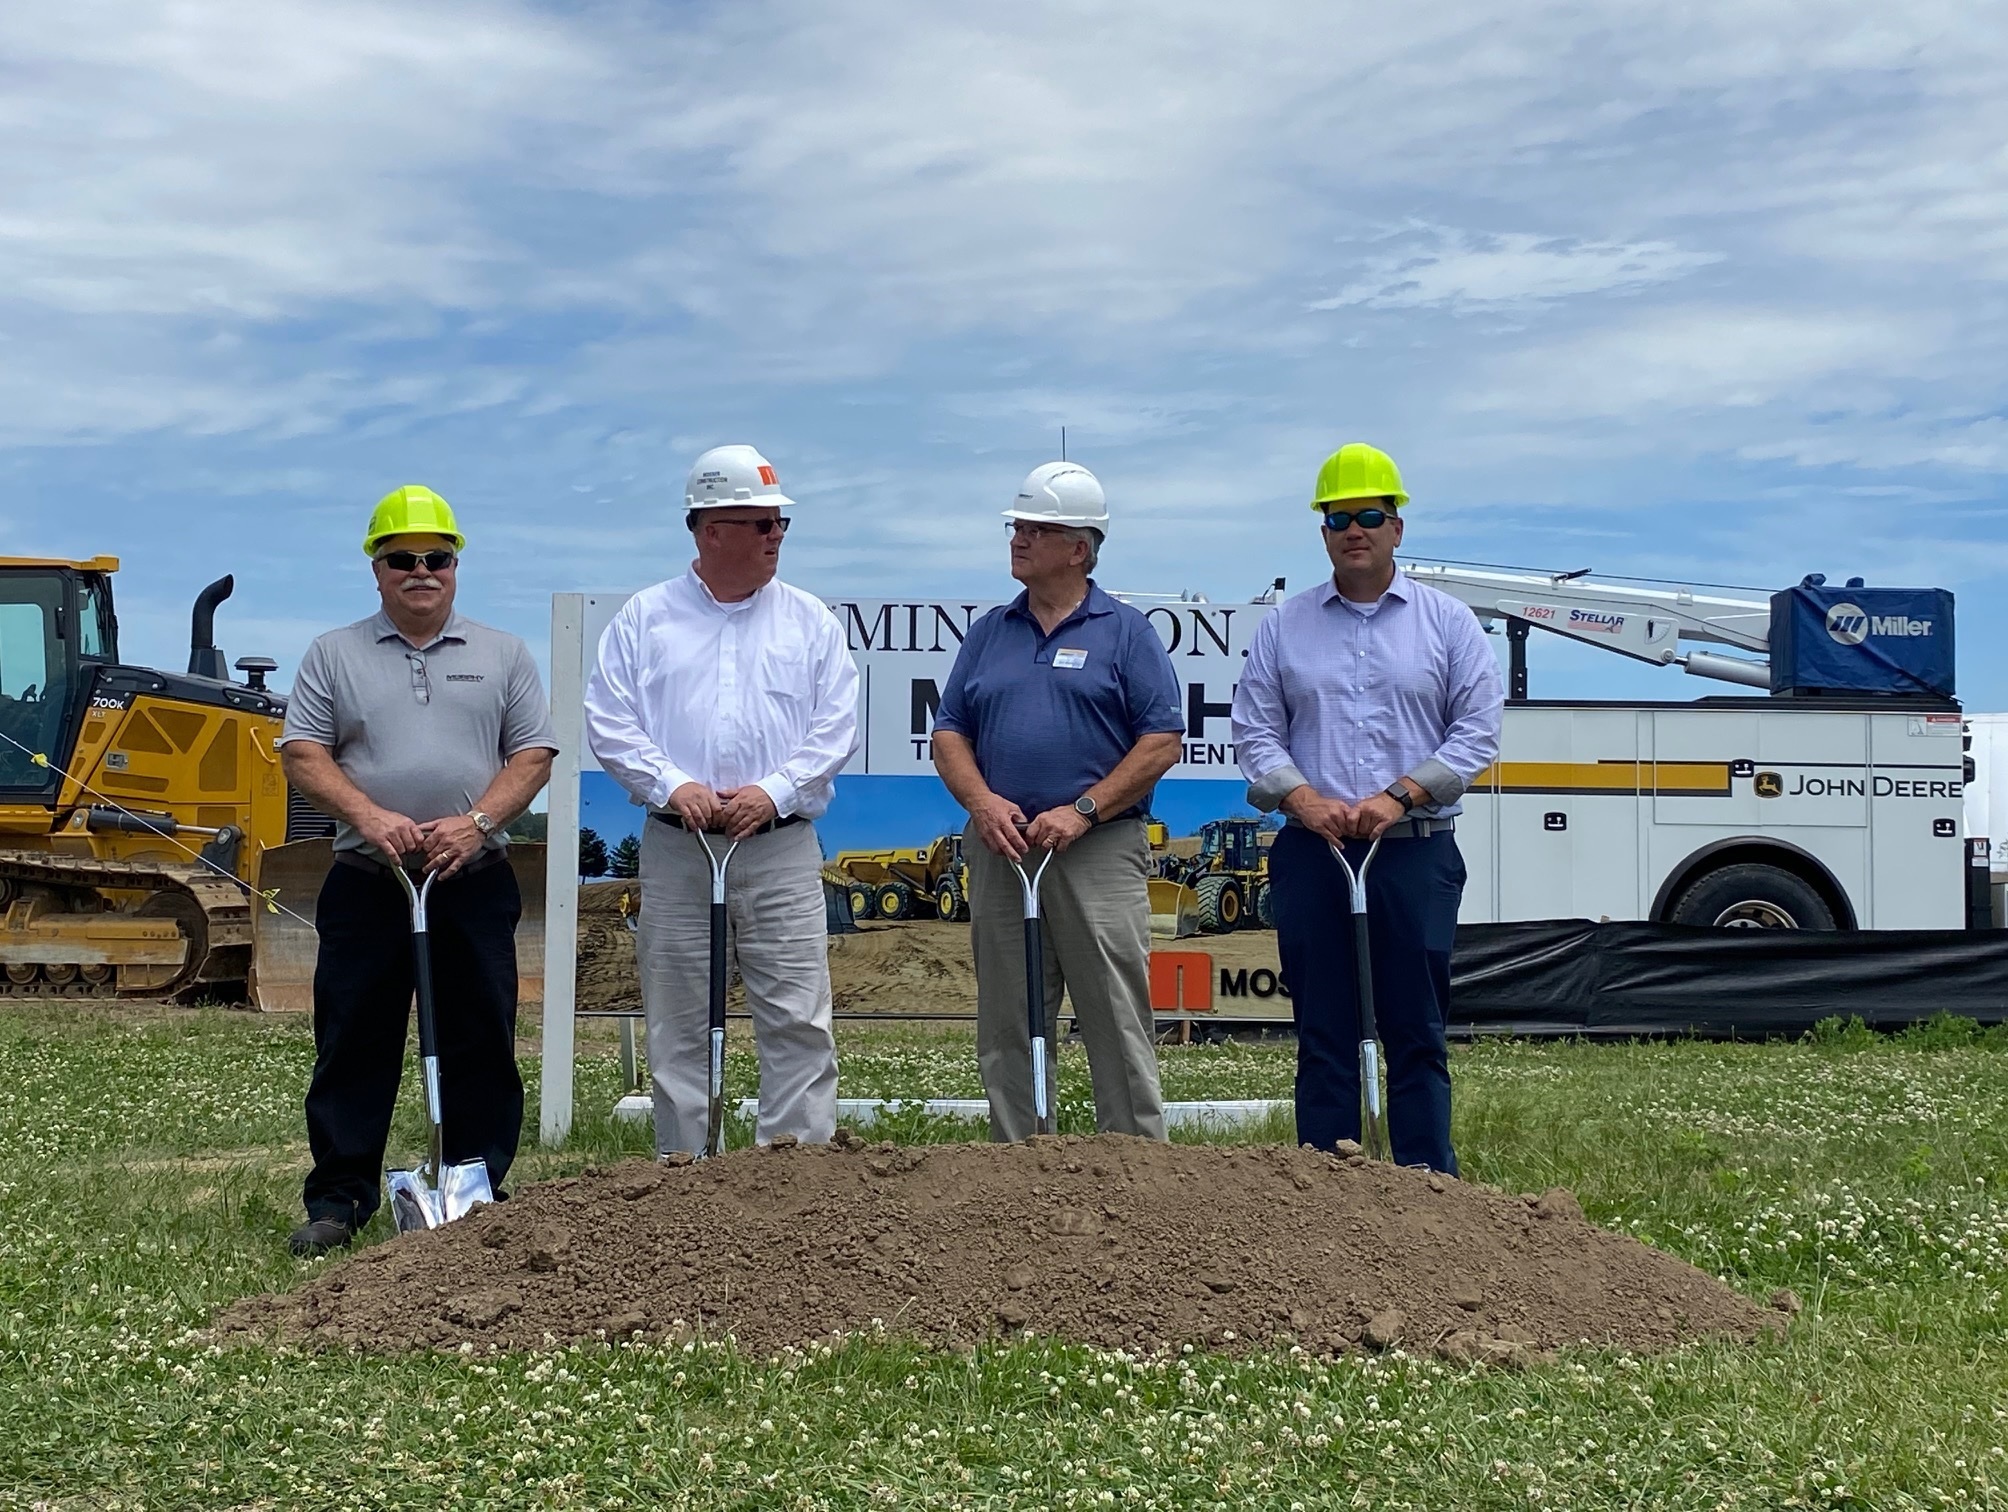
[[223, 905]]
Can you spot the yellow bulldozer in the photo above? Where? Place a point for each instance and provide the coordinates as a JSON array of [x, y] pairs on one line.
[[907, 884], [143, 812], [1215, 886]]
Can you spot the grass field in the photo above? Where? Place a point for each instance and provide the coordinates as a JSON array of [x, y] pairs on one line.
[[149, 1169]]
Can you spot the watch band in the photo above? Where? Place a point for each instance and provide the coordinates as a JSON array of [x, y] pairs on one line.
[[482, 822], [1402, 796], [1087, 808]]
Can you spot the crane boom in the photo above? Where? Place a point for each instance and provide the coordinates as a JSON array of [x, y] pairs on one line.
[[1645, 623]]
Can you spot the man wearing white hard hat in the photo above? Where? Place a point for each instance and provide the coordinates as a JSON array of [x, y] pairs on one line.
[[1059, 717], [725, 700]]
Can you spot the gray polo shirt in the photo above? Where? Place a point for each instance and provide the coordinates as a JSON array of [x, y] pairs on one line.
[[421, 729]]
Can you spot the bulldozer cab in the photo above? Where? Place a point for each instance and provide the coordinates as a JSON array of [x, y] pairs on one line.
[[1231, 843], [55, 620]]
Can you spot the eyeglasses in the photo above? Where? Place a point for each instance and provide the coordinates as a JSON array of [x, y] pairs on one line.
[[407, 561], [1019, 530], [421, 682], [1370, 519], [765, 527]]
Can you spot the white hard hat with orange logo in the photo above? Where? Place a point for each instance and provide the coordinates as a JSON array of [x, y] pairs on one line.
[[733, 475]]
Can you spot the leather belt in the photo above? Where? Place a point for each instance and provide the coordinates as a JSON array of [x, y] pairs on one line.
[[356, 859], [1415, 827], [675, 821]]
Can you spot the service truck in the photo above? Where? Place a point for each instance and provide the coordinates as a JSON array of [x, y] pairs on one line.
[[1830, 800]]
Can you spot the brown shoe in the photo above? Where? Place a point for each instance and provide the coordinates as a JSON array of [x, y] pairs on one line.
[[319, 1235]]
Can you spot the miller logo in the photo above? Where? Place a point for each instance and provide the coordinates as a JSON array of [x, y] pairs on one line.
[[1848, 624], [1770, 785]]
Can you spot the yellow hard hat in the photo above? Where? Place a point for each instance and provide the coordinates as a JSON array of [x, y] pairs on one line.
[[412, 510], [1358, 471]]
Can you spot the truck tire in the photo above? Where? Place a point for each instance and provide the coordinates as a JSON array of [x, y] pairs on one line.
[[948, 904], [861, 900], [1265, 905], [1220, 908], [1752, 895], [892, 900]]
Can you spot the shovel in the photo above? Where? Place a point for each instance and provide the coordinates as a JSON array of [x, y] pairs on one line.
[[714, 1112], [1035, 991], [435, 1192], [1373, 1091]]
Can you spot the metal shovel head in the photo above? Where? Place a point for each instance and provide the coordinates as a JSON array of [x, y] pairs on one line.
[[462, 1188]]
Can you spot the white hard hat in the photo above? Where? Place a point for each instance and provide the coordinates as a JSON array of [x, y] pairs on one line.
[[733, 475], [1061, 493]]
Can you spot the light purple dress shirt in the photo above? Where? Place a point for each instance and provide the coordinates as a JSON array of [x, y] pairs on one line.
[[1349, 697]]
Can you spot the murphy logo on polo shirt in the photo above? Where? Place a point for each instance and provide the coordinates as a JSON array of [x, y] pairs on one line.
[[1850, 624], [466, 676]]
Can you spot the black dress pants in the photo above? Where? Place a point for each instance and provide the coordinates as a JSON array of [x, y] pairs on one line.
[[1413, 892], [363, 1004]]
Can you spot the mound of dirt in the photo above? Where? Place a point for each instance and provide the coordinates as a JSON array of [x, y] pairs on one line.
[[1109, 1241]]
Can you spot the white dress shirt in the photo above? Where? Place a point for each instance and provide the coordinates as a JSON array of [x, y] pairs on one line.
[[687, 689]]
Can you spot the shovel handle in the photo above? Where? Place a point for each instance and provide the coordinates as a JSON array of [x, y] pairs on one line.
[[714, 1109], [419, 896], [1035, 988], [1035, 1021], [1363, 974]]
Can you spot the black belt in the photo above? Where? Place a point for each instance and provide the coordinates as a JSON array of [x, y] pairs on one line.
[[1416, 827], [360, 862], [674, 820]]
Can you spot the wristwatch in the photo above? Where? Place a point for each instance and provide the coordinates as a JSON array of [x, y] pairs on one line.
[[1085, 807], [482, 822], [1401, 795]]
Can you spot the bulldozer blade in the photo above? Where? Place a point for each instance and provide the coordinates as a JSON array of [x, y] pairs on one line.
[[283, 947], [1174, 909]]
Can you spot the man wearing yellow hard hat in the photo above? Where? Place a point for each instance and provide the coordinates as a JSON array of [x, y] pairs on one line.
[[422, 733], [1367, 706]]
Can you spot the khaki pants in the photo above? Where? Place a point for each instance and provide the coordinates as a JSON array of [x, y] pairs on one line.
[[1095, 908], [777, 939]]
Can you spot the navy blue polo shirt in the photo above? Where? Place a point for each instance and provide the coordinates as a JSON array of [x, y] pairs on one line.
[[1052, 715]]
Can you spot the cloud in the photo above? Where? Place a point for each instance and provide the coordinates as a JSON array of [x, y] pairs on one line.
[[1468, 273], [1710, 357], [541, 253]]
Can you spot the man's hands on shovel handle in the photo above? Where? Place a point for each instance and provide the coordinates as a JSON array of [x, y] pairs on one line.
[[1332, 818], [696, 804], [746, 809], [1000, 824], [1058, 828], [450, 843], [392, 834]]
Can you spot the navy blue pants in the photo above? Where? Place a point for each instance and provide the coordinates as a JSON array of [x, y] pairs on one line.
[[362, 1010], [1413, 891]]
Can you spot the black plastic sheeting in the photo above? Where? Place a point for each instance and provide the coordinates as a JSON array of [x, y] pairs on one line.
[[1571, 976]]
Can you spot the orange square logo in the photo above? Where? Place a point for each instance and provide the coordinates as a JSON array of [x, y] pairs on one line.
[[767, 476], [1181, 980]]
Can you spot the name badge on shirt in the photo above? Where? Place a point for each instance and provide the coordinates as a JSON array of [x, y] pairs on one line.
[[1071, 661]]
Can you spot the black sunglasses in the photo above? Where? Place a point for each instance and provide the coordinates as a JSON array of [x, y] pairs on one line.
[[766, 527], [1342, 519], [405, 561]]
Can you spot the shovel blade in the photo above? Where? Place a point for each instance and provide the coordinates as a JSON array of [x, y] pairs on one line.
[[413, 1203], [463, 1188]]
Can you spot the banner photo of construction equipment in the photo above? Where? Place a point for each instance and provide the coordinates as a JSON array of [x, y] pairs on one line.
[[892, 837]]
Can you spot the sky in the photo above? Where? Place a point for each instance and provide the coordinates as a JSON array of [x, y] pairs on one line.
[[1712, 292]]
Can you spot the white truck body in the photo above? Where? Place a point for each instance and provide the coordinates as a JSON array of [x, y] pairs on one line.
[[1610, 810], [1622, 810]]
